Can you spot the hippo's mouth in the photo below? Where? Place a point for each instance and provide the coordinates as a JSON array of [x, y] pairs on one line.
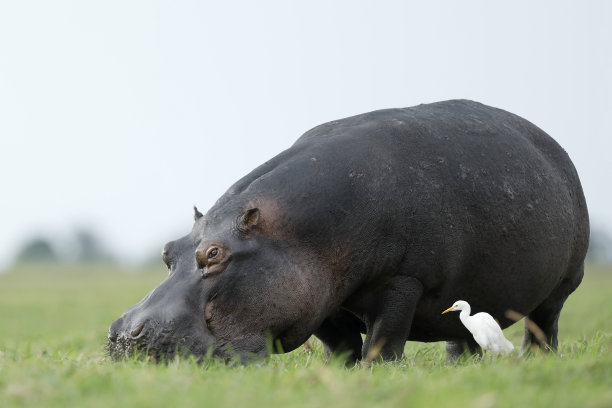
[[215, 335], [154, 344]]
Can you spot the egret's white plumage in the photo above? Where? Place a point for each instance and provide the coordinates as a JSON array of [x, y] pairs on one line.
[[484, 328]]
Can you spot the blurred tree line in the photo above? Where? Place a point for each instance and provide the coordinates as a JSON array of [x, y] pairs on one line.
[[84, 247], [87, 247]]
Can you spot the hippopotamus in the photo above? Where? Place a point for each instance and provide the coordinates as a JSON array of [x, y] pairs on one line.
[[374, 224]]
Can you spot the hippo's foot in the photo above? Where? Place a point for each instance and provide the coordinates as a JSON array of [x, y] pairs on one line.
[[456, 349]]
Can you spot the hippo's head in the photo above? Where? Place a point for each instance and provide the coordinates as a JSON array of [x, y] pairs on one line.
[[236, 284]]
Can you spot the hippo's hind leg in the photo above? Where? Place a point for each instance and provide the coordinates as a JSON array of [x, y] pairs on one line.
[[455, 349], [388, 323], [341, 335], [546, 315]]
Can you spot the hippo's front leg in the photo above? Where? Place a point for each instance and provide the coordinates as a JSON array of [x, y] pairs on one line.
[[388, 322], [341, 334]]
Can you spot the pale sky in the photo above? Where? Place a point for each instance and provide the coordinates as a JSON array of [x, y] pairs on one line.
[[121, 115]]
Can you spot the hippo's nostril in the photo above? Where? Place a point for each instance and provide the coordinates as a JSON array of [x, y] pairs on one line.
[[137, 330]]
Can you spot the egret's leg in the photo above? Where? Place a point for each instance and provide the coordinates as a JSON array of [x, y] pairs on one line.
[[341, 333], [388, 324], [546, 315], [455, 349]]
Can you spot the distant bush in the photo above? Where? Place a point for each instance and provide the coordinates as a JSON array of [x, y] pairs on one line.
[[37, 250], [89, 247], [84, 246]]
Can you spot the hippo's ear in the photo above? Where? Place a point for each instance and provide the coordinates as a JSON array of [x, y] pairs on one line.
[[248, 220], [197, 214]]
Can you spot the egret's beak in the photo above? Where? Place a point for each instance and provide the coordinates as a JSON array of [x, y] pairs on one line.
[[450, 309]]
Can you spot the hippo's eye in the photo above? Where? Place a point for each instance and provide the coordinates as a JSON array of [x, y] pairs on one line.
[[212, 260], [212, 252]]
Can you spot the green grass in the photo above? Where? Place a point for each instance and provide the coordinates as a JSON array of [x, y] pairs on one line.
[[53, 326]]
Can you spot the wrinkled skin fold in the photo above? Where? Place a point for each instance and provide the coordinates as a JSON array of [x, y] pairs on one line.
[[373, 224]]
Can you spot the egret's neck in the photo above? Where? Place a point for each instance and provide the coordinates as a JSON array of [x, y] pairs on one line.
[[464, 317]]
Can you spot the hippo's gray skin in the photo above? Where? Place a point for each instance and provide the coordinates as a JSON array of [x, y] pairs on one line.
[[375, 223]]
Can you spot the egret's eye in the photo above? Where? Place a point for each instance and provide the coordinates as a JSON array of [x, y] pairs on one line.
[[212, 252]]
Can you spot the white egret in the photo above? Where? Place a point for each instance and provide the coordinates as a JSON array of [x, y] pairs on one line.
[[484, 328]]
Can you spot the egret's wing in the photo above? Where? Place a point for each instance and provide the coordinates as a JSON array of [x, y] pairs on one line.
[[487, 322], [495, 336]]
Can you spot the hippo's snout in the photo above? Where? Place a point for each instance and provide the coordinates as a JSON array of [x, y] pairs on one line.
[[126, 339], [116, 330], [156, 340]]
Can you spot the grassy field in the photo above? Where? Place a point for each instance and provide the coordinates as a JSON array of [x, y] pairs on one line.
[[53, 325]]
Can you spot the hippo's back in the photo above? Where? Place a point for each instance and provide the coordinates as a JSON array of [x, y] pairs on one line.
[[486, 205]]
